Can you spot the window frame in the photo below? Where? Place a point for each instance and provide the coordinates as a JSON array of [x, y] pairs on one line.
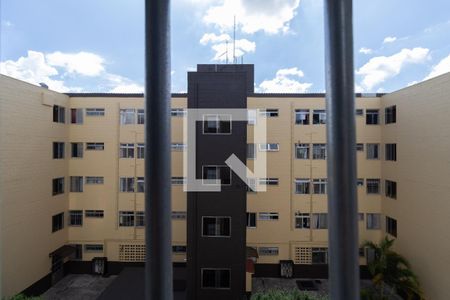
[[372, 117], [75, 215], [268, 147], [59, 150], [58, 186], [268, 216], [217, 227], [321, 118], [302, 112], [218, 122], [95, 112], [95, 146], [215, 279], [218, 172], [302, 217]]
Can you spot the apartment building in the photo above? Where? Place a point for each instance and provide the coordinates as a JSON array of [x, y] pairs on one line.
[[72, 173]]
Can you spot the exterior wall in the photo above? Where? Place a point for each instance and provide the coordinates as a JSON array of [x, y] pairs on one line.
[[283, 165], [27, 133], [422, 172]]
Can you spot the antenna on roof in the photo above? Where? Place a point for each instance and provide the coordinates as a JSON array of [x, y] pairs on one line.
[[226, 53], [234, 39]]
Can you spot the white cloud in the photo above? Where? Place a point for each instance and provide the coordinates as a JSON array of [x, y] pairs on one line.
[[270, 16], [83, 63], [224, 50], [389, 39], [380, 68], [285, 81], [50, 68], [412, 83], [34, 69], [213, 38], [442, 67], [365, 50]]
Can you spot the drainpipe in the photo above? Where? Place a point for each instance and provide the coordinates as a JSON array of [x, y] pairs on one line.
[[341, 147], [158, 233]]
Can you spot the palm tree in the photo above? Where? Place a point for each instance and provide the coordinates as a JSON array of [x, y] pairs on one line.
[[391, 269]]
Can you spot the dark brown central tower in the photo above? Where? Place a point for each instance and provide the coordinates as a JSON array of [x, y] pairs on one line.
[[216, 222]]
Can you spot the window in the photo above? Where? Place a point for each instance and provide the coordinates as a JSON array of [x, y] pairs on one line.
[[75, 218], [94, 180], [268, 181], [390, 114], [391, 152], [127, 184], [95, 146], [267, 251], [302, 186], [94, 213], [93, 248], [140, 219], [178, 112], [140, 184], [58, 186], [59, 114], [95, 112], [391, 226], [216, 124], [359, 112], [179, 249], [302, 151], [178, 146], [319, 151], [126, 151], [361, 252], [360, 217], [58, 150], [251, 116], [372, 151], [360, 182], [76, 116], [140, 116], [126, 218], [319, 116], [302, 116], [216, 278], [269, 112], [223, 173], [268, 216], [320, 221], [251, 151], [372, 117], [179, 215], [319, 255], [251, 220], [140, 151], [320, 186], [391, 189], [127, 116], [302, 220], [178, 180], [359, 147], [57, 222], [77, 150], [76, 184], [216, 226], [269, 147], [373, 186], [373, 221]]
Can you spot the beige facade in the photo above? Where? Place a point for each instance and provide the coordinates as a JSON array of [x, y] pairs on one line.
[[27, 169]]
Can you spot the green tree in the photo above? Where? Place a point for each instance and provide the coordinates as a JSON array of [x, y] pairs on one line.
[[391, 269]]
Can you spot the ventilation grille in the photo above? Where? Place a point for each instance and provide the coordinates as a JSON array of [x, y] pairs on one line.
[[303, 256], [132, 252]]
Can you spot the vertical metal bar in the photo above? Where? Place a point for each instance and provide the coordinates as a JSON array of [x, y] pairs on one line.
[[341, 147], [158, 267]]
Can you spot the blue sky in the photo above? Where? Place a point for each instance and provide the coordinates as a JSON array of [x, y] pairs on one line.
[[98, 46]]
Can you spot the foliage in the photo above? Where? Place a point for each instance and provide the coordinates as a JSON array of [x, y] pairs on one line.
[[391, 272], [286, 295]]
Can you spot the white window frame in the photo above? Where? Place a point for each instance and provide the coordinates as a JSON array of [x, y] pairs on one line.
[[95, 112], [302, 147], [269, 112], [127, 116], [217, 120], [321, 185], [268, 216], [95, 146], [322, 113], [269, 147], [302, 217], [178, 180], [126, 150], [94, 180], [268, 181], [127, 184], [178, 112], [319, 149], [218, 167], [303, 116], [268, 251], [300, 182]]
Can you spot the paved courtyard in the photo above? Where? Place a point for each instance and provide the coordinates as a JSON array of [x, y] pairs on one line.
[[78, 287]]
